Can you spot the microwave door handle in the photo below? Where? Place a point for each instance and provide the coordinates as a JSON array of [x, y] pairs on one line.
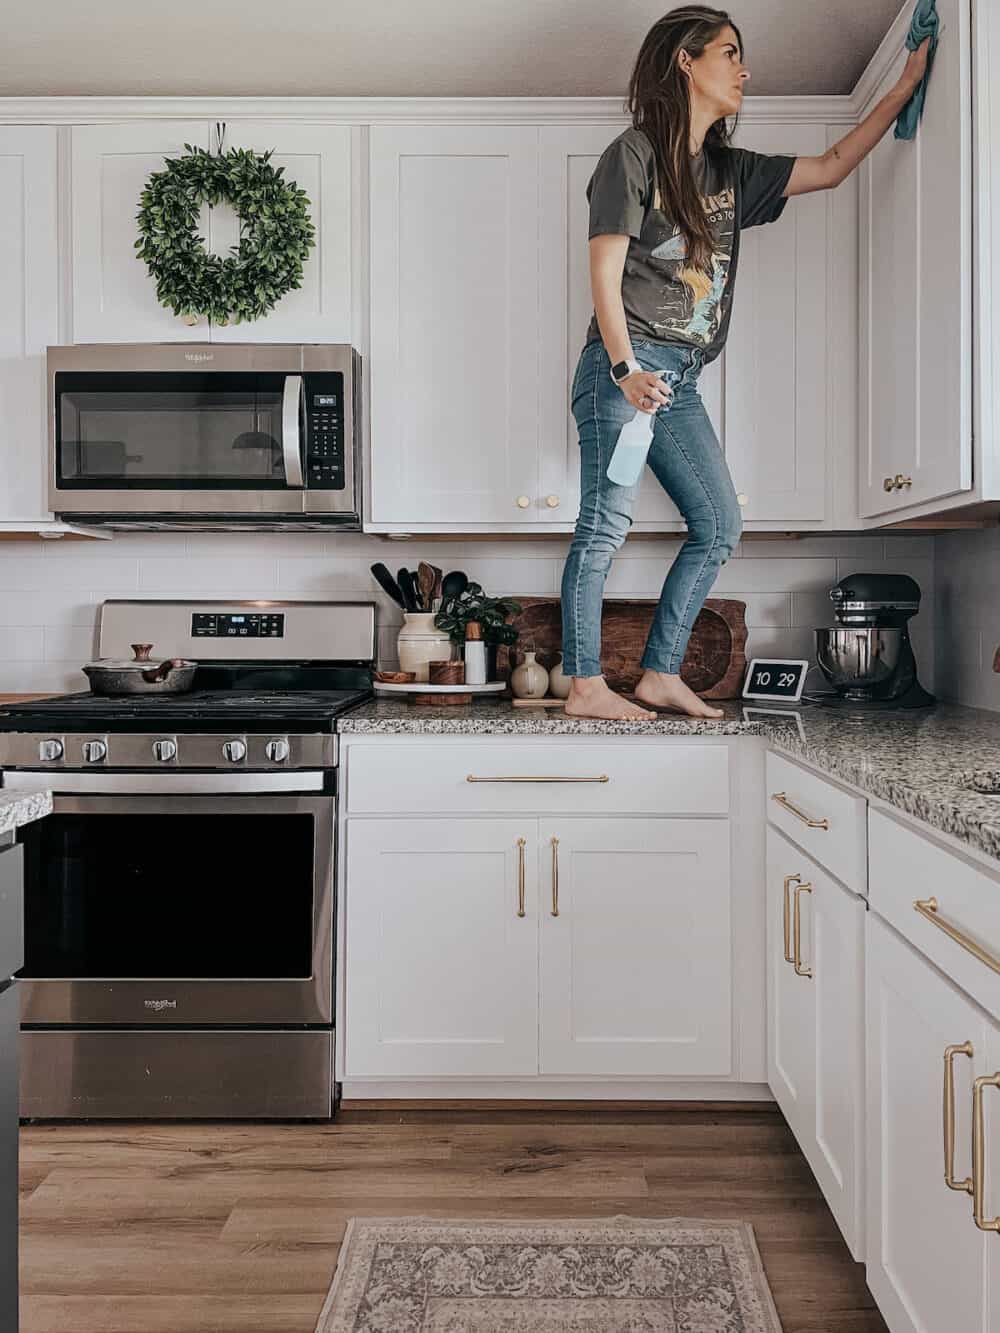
[[291, 437]]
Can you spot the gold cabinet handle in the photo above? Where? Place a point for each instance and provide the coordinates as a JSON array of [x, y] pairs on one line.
[[789, 880], [979, 1152], [928, 909], [800, 971], [781, 799], [555, 876], [899, 481], [888, 484], [603, 778], [520, 876], [948, 1117]]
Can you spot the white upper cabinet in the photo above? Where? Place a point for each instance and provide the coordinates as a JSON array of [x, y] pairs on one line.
[[916, 374], [454, 325], [114, 297], [29, 311], [776, 436]]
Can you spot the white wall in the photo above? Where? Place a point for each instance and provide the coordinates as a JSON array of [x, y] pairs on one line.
[[967, 574], [49, 591]]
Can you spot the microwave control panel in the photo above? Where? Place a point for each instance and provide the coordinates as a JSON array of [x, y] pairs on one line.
[[325, 433]]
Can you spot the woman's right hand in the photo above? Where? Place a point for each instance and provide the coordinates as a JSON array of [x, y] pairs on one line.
[[645, 390]]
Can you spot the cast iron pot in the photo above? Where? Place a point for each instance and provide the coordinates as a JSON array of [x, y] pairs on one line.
[[140, 675]]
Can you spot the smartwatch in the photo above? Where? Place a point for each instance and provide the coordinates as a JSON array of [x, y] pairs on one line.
[[623, 369]]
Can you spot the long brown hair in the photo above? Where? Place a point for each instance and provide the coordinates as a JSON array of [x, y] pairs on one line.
[[660, 105]]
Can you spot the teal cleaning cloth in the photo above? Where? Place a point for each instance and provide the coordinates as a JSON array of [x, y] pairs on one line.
[[924, 24]]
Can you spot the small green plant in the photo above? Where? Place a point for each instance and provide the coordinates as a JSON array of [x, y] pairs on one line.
[[473, 605]]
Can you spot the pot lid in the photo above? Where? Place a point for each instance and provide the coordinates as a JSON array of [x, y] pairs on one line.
[[141, 661]]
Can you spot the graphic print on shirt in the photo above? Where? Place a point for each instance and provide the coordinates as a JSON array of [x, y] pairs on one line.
[[692, 301]]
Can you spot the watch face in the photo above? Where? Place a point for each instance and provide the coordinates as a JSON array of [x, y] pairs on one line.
[[620, 370]]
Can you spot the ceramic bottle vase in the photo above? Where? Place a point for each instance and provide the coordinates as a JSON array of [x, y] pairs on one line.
[[530, 680], [420, 642], [559, 682]]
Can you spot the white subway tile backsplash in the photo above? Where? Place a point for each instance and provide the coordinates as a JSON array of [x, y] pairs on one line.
[[64, 643], [754, 575], [21, 643]]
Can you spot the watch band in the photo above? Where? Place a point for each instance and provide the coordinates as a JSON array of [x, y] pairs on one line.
[[622, 369]]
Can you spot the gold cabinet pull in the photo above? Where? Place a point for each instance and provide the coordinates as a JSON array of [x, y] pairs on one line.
[[800, 971], [979, 1152], [781, 799], [928, 909], [789, 880], [603, 778], [555, 876], [520, 876], [949, 1117], [888, 484]]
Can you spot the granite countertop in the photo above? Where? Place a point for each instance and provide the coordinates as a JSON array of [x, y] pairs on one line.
[[914, 759], [21, 807]]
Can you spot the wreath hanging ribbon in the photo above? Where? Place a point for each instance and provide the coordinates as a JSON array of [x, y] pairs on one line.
[[276, 235]]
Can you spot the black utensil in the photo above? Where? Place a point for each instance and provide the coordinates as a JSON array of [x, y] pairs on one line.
[[405, 580], [453, 585], [388, 584]]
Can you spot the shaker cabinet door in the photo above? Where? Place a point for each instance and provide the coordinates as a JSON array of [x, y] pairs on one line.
[[636, 975], [114, 297], [926, 1259], [441, 967], [454, 325], [29, 312], [916, 283]]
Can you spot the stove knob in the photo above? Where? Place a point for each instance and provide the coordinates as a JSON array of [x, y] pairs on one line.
[[164, 751], [234, 751], [94, 751], [48, 751], [276, 751]]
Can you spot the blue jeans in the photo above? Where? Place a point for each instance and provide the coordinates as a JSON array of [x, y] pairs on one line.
[[687, 462]]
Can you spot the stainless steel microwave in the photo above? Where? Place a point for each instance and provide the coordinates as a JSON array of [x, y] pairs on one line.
[[205, 435]]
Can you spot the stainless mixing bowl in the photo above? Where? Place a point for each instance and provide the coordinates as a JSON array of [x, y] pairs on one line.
[[857, 661]]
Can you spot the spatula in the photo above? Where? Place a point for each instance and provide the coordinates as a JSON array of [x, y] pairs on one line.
[[425, 584], [388, 584]]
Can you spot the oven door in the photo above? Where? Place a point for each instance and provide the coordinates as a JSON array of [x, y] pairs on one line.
[[179, 909]]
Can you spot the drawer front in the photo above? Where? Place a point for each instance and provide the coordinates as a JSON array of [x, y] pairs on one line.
[[417, 777], [822, 819], [908, 874]]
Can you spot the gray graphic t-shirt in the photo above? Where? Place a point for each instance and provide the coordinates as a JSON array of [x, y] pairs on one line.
[[665, 299]]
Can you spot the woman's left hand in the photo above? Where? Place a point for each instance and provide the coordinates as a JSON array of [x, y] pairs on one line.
[[915, 67]]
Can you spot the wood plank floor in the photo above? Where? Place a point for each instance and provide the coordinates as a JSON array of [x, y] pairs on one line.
[[223, 1227]]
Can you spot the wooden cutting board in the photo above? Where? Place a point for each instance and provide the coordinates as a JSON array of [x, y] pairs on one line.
[[713, 664]]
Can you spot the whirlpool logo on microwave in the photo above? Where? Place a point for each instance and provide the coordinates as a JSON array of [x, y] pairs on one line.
[[159, 1005], [199, 356]]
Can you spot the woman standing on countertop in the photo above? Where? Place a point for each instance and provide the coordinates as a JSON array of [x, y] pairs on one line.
[[668, 199]]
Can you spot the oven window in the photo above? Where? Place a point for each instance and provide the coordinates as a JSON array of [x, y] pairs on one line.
[[171, 896], [159, 431]]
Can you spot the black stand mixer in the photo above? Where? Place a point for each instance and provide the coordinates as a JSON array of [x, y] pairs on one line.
[[867, 657]]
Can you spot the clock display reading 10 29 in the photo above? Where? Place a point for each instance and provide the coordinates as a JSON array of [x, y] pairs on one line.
[[767, 679]]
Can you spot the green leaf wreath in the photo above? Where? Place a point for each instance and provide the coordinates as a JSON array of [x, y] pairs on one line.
[[276, 235]]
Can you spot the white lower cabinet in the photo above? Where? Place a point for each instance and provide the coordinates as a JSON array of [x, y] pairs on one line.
[[815, 1060], [635, 947], [930, 1268], [441, 969], [519, 946]]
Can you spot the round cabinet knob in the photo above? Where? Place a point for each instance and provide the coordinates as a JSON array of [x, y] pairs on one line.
[[164, 751], [523, 501], [552, 501], [94, 751], [276, 751], [741, 500], [49, 751], [234, 751]]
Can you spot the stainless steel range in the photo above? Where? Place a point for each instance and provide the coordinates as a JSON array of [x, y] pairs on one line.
[[180, 901]]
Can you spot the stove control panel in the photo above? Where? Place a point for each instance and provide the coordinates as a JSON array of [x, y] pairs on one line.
[[137, 751], [246, 625]]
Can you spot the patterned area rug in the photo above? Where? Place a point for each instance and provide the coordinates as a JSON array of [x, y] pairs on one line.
[[610, 1275]]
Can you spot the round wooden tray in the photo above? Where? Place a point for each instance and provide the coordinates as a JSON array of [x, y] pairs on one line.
[[422, 687]]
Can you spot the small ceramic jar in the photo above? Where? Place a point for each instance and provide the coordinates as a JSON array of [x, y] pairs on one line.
[[559, 682], [530, 680], [419, 642]]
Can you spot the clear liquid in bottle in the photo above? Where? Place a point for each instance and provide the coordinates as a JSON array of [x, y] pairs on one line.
[[631, 448]]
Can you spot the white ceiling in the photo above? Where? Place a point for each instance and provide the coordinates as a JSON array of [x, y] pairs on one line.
[[405, 48]]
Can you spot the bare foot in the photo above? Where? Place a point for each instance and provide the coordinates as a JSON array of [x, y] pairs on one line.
[[589, 696], [661, 690]]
